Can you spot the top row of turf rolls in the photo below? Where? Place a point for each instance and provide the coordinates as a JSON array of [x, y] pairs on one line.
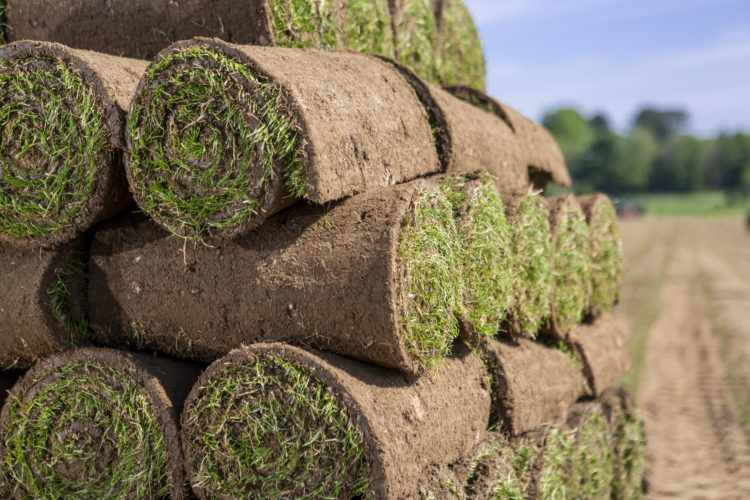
[[437, 38], [221, 136]]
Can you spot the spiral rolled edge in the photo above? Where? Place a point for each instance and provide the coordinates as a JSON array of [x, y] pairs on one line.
[[213, 146], [57, 154], [87, 423]]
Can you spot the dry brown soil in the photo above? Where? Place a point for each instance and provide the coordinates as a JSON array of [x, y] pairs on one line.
[[686, 301]]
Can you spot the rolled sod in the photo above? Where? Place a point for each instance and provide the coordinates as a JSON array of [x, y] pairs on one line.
[[374, 277], [96, 423], [497, 468], [222, 136], [605, 252], [458, 47], [603, 348], [541, 153], [141, 28], [578, 459], [42, 302], [571, 268], [629, 443], [531, 384], [533, 285], [290, 423], [62, 118], [415, 33], [470, 139], [487, 262]]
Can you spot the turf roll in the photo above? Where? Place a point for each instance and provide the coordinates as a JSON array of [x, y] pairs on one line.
[[458, 47], [531, 241], [415, 33], [571, 270], [605, 252], [487, 263], [531, 384], [578, 460], [629, 443], [470, 139], [96, 423], [603, 348], [42, 302], [360, 25], [541, 153], [222, 136], [497, 468], [374, 277], [285, 422], [62, 124]]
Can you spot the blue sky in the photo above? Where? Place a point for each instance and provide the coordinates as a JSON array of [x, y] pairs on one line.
[[617, 55]]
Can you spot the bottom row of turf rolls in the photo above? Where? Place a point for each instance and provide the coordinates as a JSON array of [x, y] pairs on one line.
[[276, 421]]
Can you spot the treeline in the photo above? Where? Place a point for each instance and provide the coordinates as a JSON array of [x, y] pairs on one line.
[[655, 155]]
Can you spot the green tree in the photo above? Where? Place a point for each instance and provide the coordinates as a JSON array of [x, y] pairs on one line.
[[662, 124], [678, 166], [640, 152], [573, 133]]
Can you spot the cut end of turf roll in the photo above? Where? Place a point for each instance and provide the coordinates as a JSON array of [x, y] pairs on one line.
[[258, 423], [571, 268], [605, 252], [416, 32], [212, 142], [56, 144], [88, 424], [532, 245], [578, 463], [460, 54], [486, 258], [428, 273]]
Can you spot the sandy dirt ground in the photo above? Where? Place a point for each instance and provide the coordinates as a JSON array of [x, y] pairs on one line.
[[687, 296]]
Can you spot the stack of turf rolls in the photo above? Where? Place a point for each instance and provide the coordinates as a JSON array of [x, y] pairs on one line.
[[306, 258]]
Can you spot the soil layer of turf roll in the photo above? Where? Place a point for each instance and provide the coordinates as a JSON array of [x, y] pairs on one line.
[[96, 423], [315, 425], [221, 136], [531, 241], [603, 348], [374, 277], [605, 252], [487, 262], [470, 139], [42, 302], [531, 384], [62, 119], [113, 28], [571, 265], [541, 153], [458, 47]]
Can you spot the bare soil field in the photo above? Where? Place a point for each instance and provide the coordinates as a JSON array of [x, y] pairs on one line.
[[686, 302]]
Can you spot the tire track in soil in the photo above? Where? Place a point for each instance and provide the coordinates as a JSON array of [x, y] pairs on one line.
[[696, 447], [644, 256]]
